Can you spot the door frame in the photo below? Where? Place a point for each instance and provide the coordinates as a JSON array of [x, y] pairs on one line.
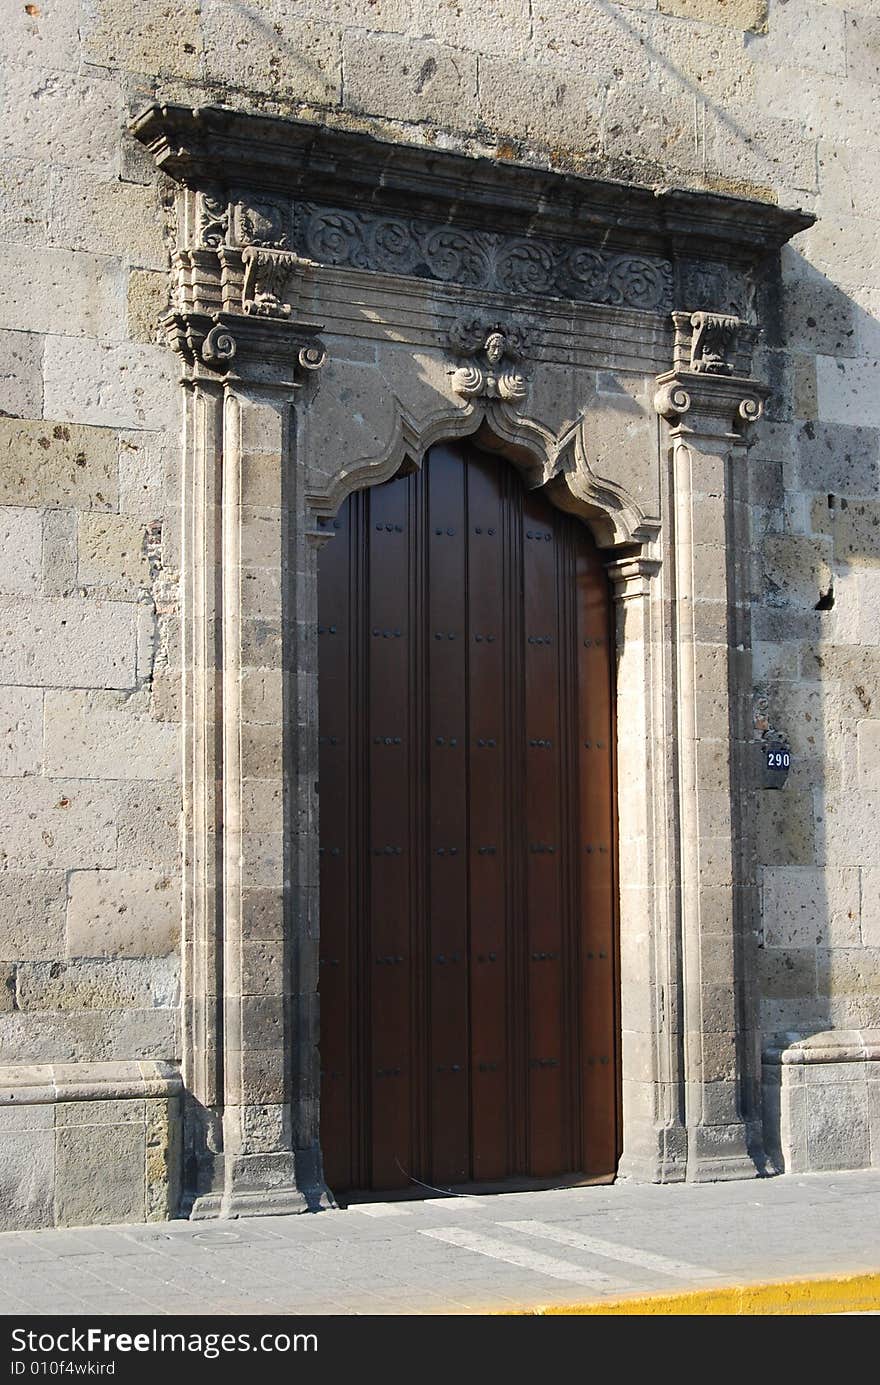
[[600, 338]]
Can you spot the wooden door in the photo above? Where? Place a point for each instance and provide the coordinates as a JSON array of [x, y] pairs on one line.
[[467, 866]]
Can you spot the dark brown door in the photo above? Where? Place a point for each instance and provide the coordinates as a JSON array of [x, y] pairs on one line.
[[467, 878]]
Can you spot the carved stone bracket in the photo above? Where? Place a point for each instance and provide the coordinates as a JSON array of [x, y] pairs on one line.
[[489, 344], [222, 343], [708, 343], [266, 276]]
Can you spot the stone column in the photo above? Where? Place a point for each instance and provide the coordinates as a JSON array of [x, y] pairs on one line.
[[708, 400], [250, 984]]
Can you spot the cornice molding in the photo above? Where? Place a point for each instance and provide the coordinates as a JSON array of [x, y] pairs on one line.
[[213, 147]]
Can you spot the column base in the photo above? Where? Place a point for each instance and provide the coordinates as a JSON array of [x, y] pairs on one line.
[[654, 1154], [718, 1154], [266, 1185]]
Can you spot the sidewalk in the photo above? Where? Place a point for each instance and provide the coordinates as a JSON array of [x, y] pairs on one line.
[[514, 1252]]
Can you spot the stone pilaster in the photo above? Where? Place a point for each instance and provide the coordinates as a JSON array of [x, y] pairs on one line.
[[654, 1137], [245, 989], [707, 401]]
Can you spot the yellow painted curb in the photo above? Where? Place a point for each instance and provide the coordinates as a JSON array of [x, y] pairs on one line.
[[853, 1293]]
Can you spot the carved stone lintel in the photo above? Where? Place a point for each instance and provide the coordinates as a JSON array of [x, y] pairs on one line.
[[266, 275], [489, 343]]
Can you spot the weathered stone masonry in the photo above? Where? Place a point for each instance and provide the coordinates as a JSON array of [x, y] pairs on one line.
[[114, 623]]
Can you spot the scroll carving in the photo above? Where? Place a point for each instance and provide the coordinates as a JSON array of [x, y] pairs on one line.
[[479, 259]]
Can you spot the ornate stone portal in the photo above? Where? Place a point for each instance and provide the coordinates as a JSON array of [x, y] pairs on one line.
[[539, 313]]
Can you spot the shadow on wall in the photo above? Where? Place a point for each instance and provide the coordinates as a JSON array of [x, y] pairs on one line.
[[816, 637]]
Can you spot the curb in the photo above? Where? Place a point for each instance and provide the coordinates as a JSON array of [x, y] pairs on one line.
[[852, 1293]]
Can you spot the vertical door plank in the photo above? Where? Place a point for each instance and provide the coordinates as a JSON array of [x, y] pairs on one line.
[[488, 742], [338, 966], [595, 782], [545, 844], [447, 863], [389, 838]]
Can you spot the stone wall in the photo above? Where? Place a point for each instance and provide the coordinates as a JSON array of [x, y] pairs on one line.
[[775, 101]]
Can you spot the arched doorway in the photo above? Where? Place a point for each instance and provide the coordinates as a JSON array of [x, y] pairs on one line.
[[467, 960]]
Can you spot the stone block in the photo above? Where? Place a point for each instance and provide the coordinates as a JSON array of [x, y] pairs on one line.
[[122, 914], [24, 201], [863, 47], [586, 34], [112, 556], [61, 119], [148, 36], [56, 826], [32, 915], [43, 35], [644, 125], [123, 386], [784, 828], [143, 466], [849, 391], [855, 528], [787, 972], [21, 543], [104, 735], [868, 741], [75, 1036], [62, 292], [817, 315], [870, 882], [272, 51], [846, 827], [811, 33], [99, 1112], [410, 79], [99, 1177], [147, 301], [67, 643], [21, 373], [148, 824], [735, 14], [545, 105], [499, 27], [848, 971], [21, 731], [106, 216], [27, 1175], [837, 458], [764, 152], [60, 541], [796, 569], [45, 463], [129, 984], [804, 906], [163, 1159], [837, 1123]]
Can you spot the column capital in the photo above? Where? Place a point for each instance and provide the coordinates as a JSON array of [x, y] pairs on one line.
[[236, 347], [709, 390]]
